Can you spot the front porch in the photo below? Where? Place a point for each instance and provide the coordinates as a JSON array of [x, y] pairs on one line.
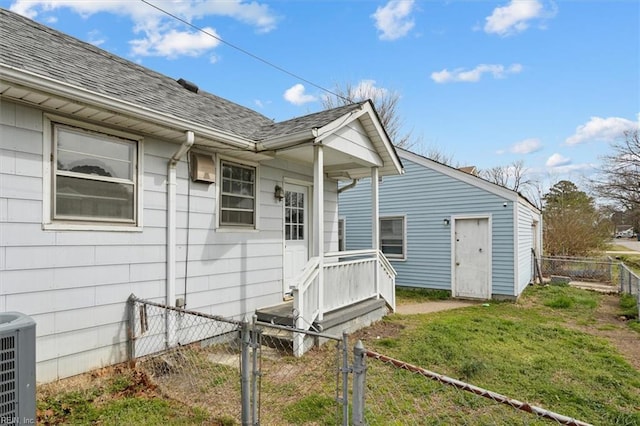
[[335, 323], [339, 292]]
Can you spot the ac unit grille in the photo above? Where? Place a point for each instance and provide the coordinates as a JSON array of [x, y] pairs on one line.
[[8, 397]]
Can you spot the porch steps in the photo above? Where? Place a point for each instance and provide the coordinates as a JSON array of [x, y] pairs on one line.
[[334, 323]]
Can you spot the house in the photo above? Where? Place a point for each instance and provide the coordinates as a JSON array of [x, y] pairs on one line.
[[443, 228], [115, 179]]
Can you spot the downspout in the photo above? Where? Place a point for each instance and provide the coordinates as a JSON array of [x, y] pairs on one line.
[[353, 183], [171, 234]]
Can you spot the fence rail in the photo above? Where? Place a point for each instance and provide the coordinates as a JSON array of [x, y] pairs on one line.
[[536, 411], [245, 372]]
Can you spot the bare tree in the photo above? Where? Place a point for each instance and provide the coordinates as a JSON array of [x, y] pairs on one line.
[[385, 102], [619, 177], [436, 154], [513, 176]]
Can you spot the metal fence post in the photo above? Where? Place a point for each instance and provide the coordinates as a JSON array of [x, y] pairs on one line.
[[359, 372], [131, 329], [345, 380], [245, 371], [255, 376]]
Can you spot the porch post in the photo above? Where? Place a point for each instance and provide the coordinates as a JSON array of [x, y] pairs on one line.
[[318, 220], [375, 226]]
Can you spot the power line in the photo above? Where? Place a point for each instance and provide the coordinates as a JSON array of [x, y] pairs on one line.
[[246, 52]]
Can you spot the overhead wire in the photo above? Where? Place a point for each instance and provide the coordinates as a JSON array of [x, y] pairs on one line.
[[246, 52]]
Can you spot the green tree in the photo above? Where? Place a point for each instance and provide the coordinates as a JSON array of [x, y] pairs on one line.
[[572, 224]]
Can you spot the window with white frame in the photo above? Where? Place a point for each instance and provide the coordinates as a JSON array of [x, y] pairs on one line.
[[341, 242], [94, 177], [392, 237], [237, 194]]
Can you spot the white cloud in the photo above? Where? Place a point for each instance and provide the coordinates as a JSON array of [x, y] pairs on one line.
[[367, 89], [471, 76], [513, 18], [161, 35], [96, 38], [601, 129], [296, 95], [526, 146], [557, 160], [394, 19], [172, 43]]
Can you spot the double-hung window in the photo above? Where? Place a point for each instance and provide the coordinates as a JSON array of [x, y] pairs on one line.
[[95, 177], [393, 237], [237, 195]]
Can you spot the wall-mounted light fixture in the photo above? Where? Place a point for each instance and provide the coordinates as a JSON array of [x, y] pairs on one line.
[[278, 193], [446, 221], [504, 204]]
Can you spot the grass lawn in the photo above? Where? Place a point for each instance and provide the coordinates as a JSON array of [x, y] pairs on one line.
[[559, 348], [554, 348]]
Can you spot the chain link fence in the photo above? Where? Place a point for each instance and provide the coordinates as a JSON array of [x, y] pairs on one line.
[[630, 284], [245, 373], [559, 268], [239, 372], [398, 393], [191, 357]]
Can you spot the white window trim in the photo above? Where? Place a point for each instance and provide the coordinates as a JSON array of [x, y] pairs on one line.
[[394, 258], [236, 228], [48, 223], [342, 219]]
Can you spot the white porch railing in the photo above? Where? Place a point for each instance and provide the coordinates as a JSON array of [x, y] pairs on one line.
[[349, 277]]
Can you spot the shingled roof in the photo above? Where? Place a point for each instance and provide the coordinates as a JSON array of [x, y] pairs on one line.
[[29, 46]]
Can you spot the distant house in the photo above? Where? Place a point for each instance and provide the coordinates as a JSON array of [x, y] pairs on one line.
[[444, 228], [115, 179]]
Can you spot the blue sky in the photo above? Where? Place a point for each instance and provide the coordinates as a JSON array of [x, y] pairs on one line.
[[550, 83]]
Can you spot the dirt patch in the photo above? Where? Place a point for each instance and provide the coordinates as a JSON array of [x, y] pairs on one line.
[[612, 327], [379, 330]]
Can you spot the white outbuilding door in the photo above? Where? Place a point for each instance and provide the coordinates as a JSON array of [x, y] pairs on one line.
[[472, 258], [296, 232]]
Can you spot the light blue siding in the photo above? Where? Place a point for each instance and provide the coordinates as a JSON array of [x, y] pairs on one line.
[[526, 219], [426, 197]]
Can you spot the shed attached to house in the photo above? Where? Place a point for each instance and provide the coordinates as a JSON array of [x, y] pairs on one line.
[[444, 228]]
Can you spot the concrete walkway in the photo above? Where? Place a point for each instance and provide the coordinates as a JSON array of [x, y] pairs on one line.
[[433, 306]]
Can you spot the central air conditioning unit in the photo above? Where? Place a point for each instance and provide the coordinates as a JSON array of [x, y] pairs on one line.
[[17, 369]]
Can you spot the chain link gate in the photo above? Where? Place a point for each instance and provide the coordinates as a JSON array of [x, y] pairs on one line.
[[246, 368]]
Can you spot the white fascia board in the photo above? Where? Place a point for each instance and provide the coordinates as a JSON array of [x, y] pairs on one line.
[[533, 208], [285, 141], [365, 109], [460, 175], [76, 94], [388, 145]]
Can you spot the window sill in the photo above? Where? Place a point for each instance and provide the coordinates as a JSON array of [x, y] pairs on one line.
[[90, 227], [237, 230], [396, 259]]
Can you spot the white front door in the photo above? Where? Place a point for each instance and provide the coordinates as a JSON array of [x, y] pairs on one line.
[[296, 232], [472, 259]]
